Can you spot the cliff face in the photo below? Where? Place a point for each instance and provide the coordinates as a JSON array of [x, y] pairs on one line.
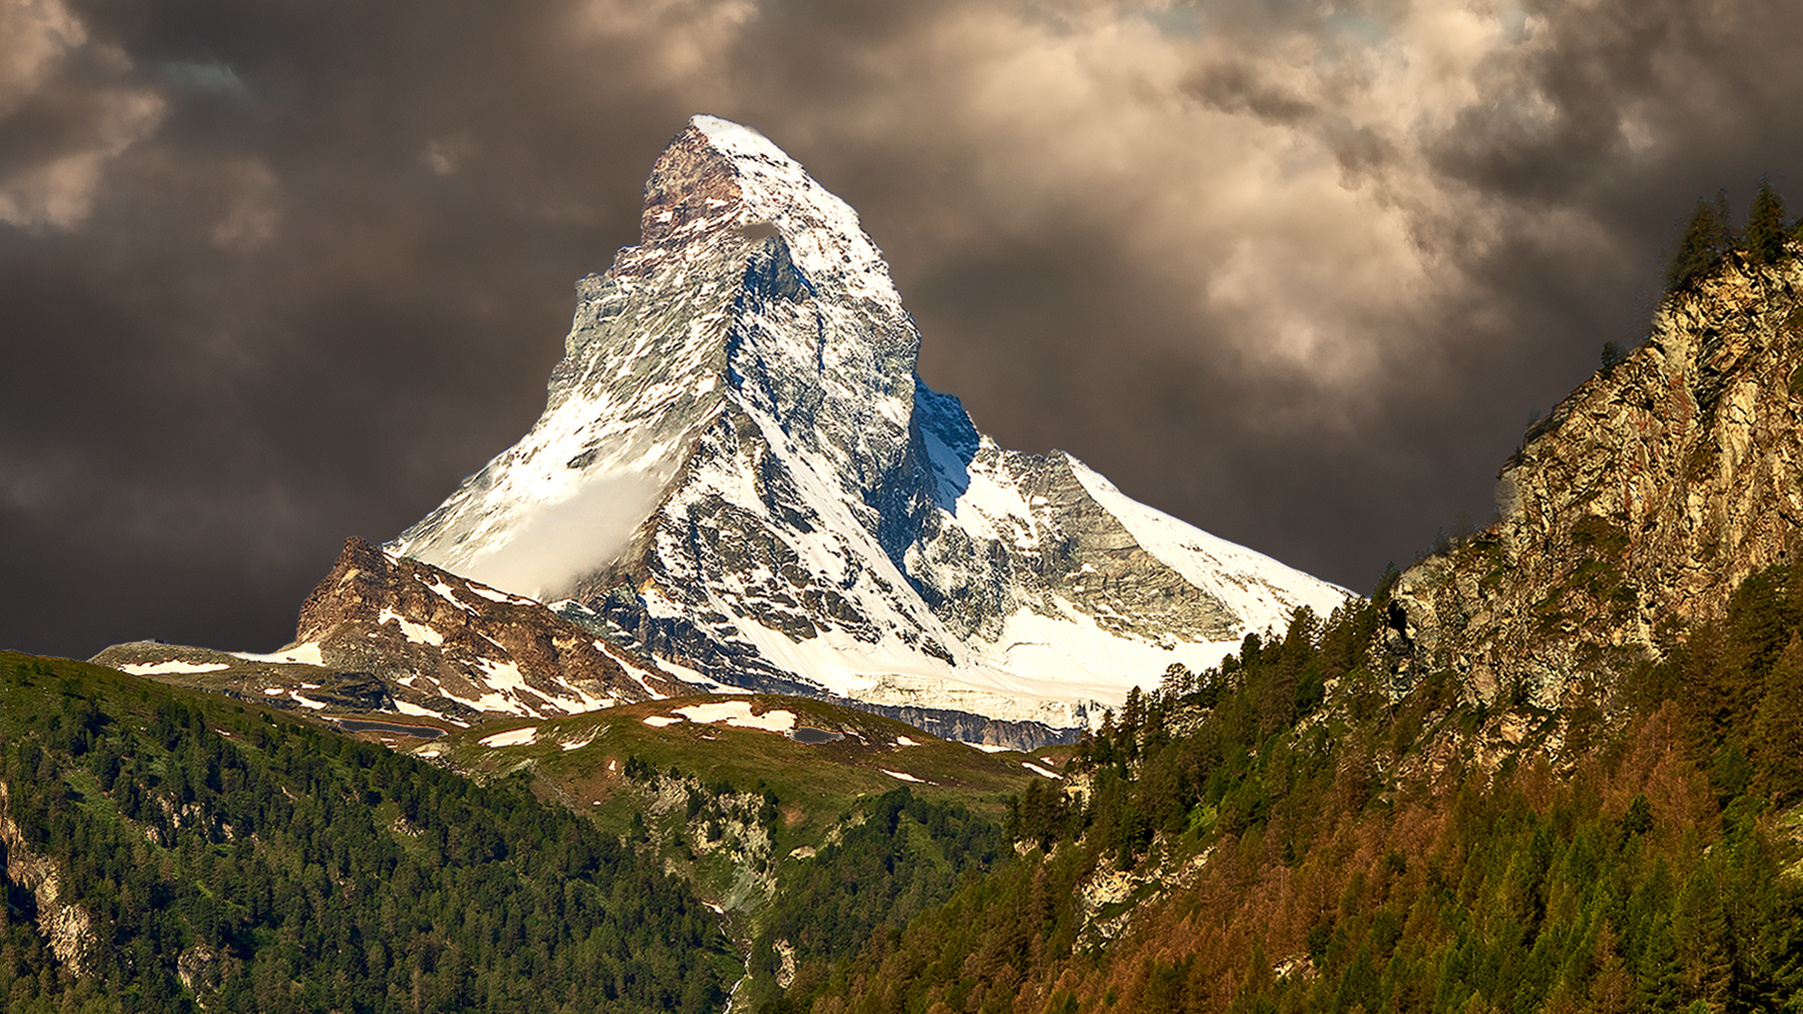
[[1640, 502], [65, 925]]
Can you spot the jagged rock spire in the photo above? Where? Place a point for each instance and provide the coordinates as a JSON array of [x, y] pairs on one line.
[[739, 473]]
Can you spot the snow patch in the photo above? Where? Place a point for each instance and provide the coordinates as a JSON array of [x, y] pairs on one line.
[[638, 674], [418, 633], [172, 666], [512, 737], [300, 654], [738, 715], [659, 721], [500, 596], [903, 775], [444, 591], [1036, 769]]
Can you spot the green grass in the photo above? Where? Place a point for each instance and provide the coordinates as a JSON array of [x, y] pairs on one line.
[[817, 784]]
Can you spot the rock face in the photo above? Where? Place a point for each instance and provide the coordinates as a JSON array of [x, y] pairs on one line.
[[739, 474], [66, 925], [1644, 498], [386, 634]]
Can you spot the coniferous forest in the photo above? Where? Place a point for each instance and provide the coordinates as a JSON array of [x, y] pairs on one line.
[[1364, 854], [274, 866]]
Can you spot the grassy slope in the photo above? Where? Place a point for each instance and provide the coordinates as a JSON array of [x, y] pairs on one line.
[[820, 778], [816, 786]]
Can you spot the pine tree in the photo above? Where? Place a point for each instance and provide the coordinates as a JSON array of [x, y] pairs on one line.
[[1659, 977], [1765, 225], [1612, 987], [1700, 931], [1705, 242], [1777, 743]]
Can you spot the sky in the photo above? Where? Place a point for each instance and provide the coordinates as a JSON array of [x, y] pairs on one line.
[[277, 274]]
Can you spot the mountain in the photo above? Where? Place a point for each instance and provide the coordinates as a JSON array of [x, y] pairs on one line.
[[739, 475], [381, 633], [1552, 767], [1637, 506]]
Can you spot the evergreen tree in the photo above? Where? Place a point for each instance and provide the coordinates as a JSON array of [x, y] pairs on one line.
[[1705, 243], [1765, 225], [1613, 355], [1777, 742]]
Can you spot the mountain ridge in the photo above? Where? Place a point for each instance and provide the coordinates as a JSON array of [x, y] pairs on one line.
[[815, 519], [1638, 504]]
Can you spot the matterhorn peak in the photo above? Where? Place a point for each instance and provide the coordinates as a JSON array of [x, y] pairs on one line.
[[722, 182], [739, 474]]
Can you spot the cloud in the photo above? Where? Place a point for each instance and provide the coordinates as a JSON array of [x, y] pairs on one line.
[[255, 212], [64, 114], [1295, 272]]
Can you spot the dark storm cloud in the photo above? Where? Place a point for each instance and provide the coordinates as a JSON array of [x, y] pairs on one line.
[[1234, 86], [275, 274]]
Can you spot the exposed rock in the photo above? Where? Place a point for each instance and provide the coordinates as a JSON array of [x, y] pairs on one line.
[[1642, 500], [382, 633], [200, 969], [65, 924], [965, 727]]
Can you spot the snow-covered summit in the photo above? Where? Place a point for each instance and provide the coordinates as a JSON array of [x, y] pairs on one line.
[[739, 473]]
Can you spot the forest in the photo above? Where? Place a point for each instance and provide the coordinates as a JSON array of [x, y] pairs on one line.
[[221, 850], [1278, 833], [1290, 837]]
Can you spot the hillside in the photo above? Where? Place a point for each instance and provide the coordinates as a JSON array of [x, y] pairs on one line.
[[1419, 854], [811, 826], [167, 850], [384, 634], [1636, 506], [1551, 767]]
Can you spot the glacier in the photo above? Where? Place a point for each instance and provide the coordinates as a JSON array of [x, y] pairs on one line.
[[740, 476]]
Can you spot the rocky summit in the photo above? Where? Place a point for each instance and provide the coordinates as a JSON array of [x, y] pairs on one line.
[[739, 475], [1640, 503], [382, 633]]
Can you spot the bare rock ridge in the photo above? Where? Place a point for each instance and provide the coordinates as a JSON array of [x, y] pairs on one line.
[[1645, 497], [381, 633], [739, 475]]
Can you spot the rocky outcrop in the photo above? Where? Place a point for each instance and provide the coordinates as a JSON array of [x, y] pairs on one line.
[[964, 727], [65, 924], [1640, 503], [382, 633]]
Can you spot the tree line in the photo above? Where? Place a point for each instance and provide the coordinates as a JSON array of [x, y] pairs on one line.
[[1709, 238]]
